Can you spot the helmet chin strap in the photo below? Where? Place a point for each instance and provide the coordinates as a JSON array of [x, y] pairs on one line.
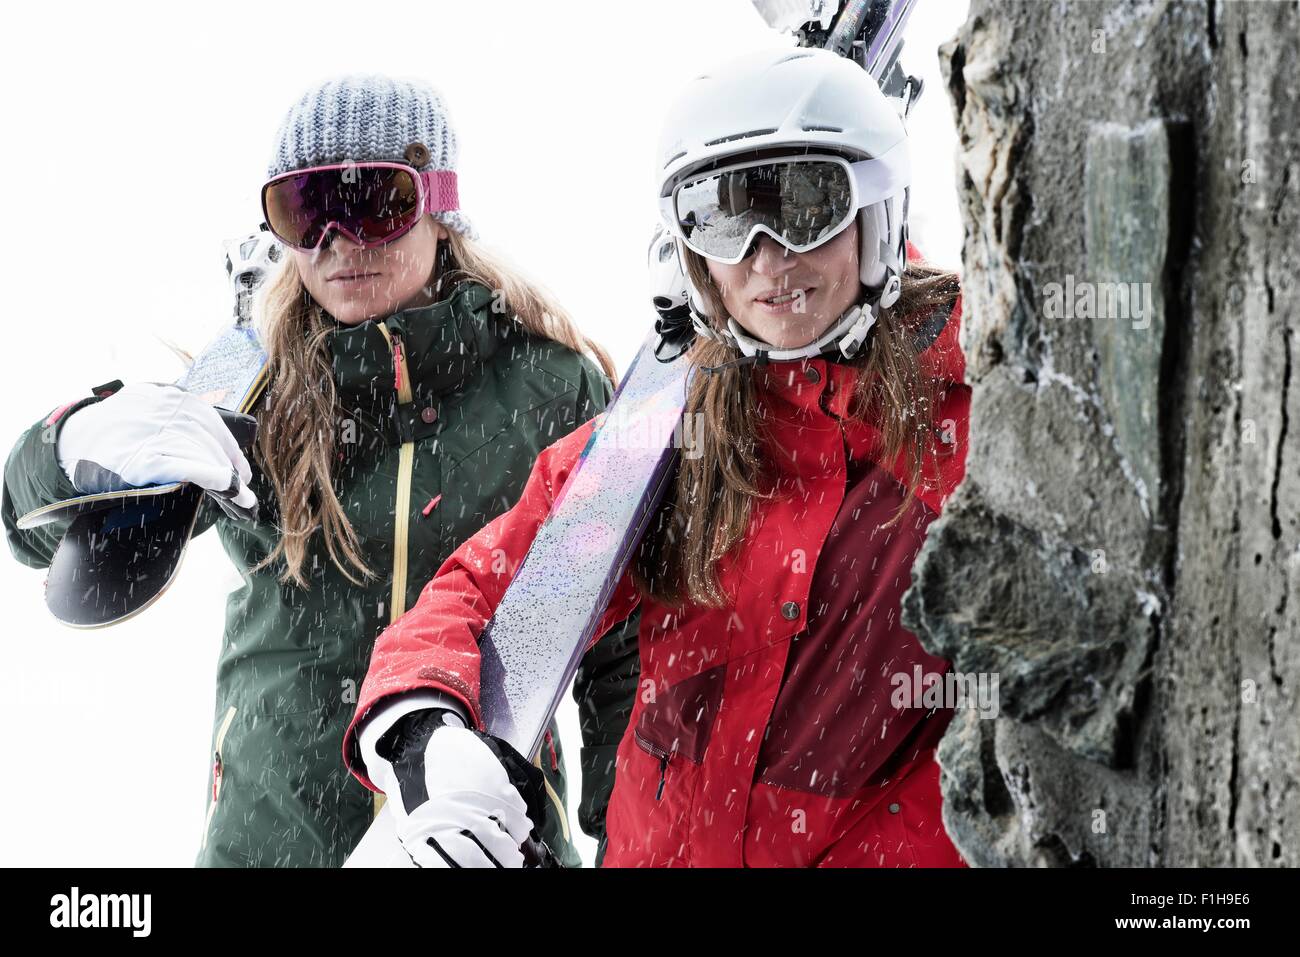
[[839, 342], [844, 336]]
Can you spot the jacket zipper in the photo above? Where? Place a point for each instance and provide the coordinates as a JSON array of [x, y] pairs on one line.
[[402, 505], [405, 464], [218, 767], [659, 753]]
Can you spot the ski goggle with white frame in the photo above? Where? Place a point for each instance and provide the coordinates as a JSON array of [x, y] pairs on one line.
[[801, 201]]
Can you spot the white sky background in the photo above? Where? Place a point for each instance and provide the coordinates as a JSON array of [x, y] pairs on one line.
[[156, 122]]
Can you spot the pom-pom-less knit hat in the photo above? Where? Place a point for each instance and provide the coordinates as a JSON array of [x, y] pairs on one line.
[[367, 117]]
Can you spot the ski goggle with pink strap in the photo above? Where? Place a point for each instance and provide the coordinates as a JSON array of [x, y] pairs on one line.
[[371, 203]]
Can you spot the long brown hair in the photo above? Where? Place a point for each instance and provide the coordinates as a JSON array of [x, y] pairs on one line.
[[297, 423], [706, 510]]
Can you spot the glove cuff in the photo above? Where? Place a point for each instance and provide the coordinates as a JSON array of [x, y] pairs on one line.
[[403, 747]]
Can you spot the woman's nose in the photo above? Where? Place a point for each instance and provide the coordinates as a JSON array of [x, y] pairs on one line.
[[771, 258], [333, 236]]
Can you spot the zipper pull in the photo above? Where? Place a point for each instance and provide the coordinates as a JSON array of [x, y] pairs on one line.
[[216, 774], [663, 773], [555, 762], [397, 364]]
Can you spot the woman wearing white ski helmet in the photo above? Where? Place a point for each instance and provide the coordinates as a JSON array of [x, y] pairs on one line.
[[801, 147], [770, 728]]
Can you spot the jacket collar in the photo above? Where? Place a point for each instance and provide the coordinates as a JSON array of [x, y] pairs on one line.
[[445, 345], [813, 394], [800, 384]]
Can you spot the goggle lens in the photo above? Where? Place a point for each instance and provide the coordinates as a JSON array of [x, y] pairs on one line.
[[803, 202], [372, 203]]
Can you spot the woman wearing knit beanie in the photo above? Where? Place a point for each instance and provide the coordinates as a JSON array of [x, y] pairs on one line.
[[413, 378]]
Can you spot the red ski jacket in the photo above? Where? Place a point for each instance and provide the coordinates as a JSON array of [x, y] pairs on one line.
[[763, 733]]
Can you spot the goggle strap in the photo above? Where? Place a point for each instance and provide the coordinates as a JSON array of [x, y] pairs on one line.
[[890, 259], [441, 192], [883, 176]]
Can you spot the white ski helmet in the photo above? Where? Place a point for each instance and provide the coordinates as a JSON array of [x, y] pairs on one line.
[[808, 100]]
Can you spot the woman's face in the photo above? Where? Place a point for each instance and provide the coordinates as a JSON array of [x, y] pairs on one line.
[[812, 290], [392, 277]]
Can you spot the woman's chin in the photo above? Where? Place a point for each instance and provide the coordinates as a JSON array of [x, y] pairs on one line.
[[782, 336], [348, 316], [353, 310]]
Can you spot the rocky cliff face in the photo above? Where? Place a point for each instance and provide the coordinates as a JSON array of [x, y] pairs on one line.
[[1124, 553]]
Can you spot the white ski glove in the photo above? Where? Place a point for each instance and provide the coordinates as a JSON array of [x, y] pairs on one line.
[[150, 433], [457, 794]]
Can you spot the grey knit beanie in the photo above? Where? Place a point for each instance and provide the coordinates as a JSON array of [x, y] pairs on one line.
[[366, 117]]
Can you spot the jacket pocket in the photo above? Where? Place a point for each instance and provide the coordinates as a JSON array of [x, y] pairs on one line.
[[916, 808], [679, 721], [902, 826], [218, 769], [648, 821], [659, 754]]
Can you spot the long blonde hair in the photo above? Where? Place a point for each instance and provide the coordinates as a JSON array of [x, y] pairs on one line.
[[706, 509], [297, 421]]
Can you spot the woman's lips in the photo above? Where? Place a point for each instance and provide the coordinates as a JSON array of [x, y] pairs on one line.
[[351, 282], [785, 303]]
